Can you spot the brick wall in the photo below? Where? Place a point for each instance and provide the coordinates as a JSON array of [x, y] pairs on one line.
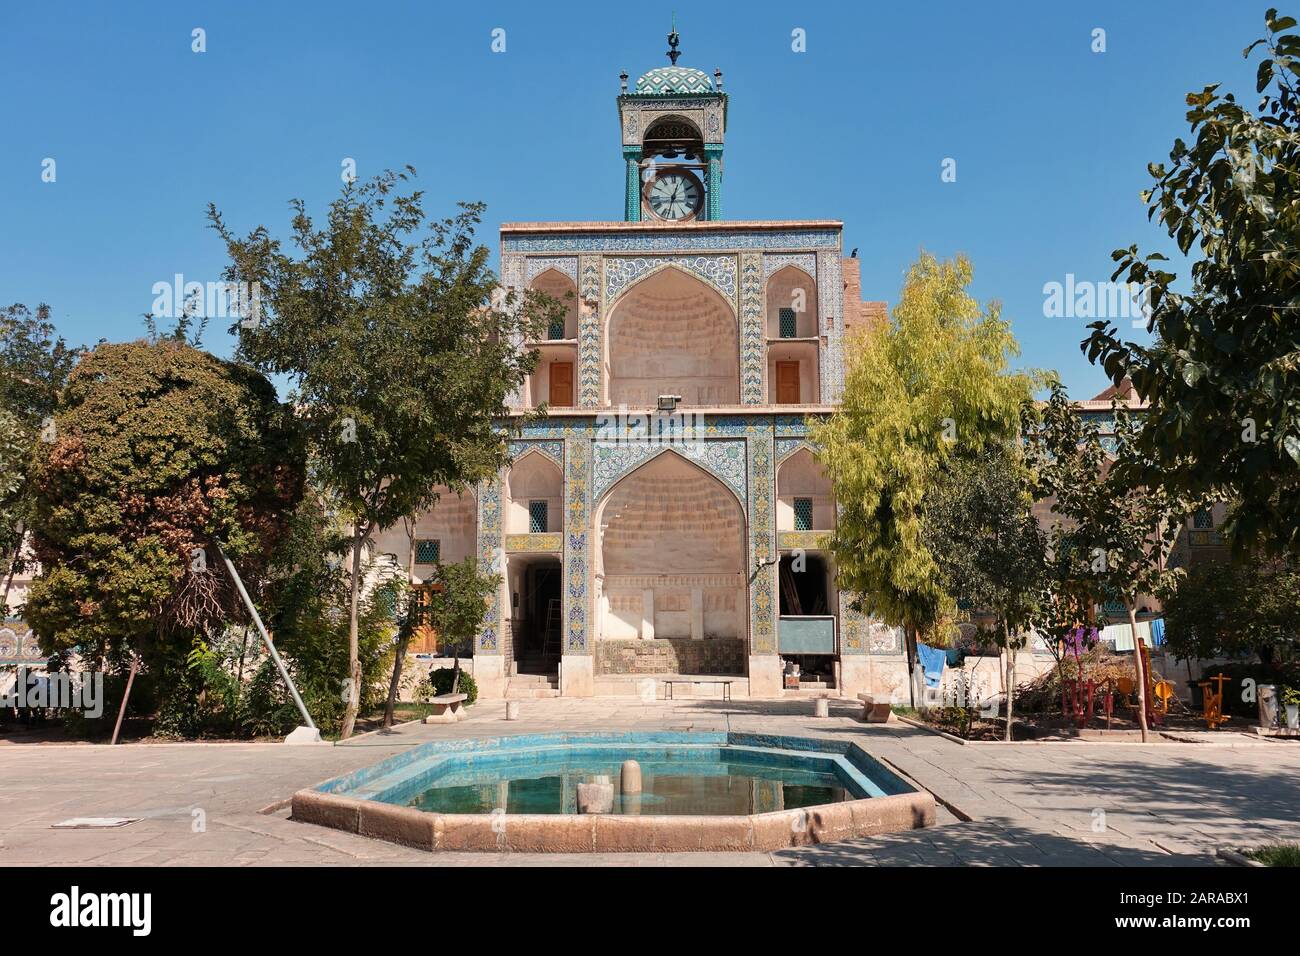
[[719, 655], [859, 314]]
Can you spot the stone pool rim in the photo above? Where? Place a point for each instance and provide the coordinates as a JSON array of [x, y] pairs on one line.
[[325, 805]]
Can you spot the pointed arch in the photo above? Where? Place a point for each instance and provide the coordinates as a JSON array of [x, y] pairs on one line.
[[672, 333], [534, 495], [561, 287], [800, 477], [670, 553]]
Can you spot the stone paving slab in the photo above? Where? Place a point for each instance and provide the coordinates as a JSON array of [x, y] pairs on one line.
[[1030, 805]]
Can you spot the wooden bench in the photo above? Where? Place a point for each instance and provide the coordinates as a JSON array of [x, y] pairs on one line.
[[447, 708], [873, 712], [668, 686]]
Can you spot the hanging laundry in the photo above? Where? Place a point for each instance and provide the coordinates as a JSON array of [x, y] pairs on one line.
[[1120, 636], [933, 660], [1158, 632]]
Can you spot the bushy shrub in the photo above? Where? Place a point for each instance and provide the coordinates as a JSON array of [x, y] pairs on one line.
[[1245, 674], [441, 680]]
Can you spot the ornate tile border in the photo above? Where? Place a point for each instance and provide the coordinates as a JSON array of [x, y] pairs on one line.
[[830, 309], [785, 447], [695, 241], [853, 627], [774, 262], [622, 272], [715, 426], [762, 589], [864, 634], [753, 351], [724, 459], [491, 560], [577, 545], [803, 540], [512, 272], [543, 542], [591, 346], [553, 449], [882, 639], [566, 265]]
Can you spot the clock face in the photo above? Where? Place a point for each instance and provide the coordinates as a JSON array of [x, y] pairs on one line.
[[674, 194]]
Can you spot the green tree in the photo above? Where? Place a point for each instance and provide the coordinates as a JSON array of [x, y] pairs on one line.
[[399, 357], [1064, 452], [34, 365], [979, 524], [158, 450], [1112, 536], [932, 384], [1223, 374], [1226, 608], [305, 604], [457, 606]]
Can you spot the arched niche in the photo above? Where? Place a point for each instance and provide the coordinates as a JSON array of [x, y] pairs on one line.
[[793, 290], [672, 334], [801, 476], [534, 496], [560, 287], [670, 554]]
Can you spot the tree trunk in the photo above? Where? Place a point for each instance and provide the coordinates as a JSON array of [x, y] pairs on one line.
[[1131, 606], [399, 659], [126, 696], [354, 653], [9, 578], [404, 635], [243, 653], [909, 646], [1011, 686], [455, 674]]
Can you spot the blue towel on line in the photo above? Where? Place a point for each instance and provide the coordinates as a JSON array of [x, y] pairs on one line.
[[932, 660], [1158, 631]]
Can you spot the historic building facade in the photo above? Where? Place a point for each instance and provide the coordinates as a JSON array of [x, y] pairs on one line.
[[669, 514]]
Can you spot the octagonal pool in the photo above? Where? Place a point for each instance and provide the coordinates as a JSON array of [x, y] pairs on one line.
[[696, 791]]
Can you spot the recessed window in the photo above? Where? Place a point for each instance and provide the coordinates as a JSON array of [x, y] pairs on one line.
[[803, 514], [789, 324], [556, 329], [1203, 520], [537, 517], [428, 551]]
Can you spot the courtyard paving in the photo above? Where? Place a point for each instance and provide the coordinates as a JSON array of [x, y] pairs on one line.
[[1036, 804]]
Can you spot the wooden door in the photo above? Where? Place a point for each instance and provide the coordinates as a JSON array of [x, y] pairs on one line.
[[561, 384], [424, 640], [787, 383]]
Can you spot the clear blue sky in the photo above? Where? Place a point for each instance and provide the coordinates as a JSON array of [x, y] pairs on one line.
[[1051, 140]]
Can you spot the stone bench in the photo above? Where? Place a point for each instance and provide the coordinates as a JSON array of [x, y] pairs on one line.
[[726, 685], [447, 708], [872, 712]]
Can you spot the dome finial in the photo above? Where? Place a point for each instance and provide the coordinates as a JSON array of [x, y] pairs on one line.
[[673, 40]]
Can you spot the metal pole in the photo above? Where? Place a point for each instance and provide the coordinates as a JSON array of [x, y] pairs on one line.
[[261, 629], [121, 711]]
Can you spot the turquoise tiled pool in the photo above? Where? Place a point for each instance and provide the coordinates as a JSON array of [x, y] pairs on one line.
[[682, 774]]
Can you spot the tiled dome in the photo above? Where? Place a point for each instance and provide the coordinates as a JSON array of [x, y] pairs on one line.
[[674, 79]]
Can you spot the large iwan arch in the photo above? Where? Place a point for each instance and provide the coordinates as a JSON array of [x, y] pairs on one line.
[[672, 334], [670, 555]]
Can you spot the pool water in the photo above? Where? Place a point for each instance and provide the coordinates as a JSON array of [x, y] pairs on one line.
[[674, 787]]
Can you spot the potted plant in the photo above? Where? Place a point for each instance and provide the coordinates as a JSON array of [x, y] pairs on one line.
[[1291, 701]]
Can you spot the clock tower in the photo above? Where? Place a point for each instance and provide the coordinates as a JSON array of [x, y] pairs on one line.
[[673, 124]]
